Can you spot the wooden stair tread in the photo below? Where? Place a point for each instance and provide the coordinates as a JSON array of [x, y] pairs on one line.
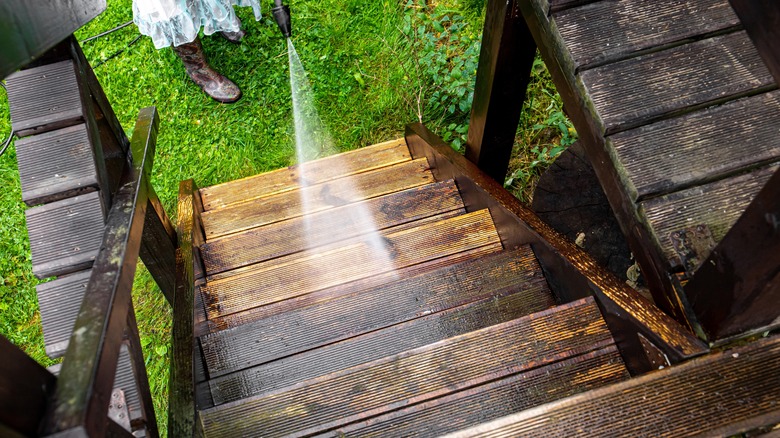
[[314, 198], [65, 235], [636, 91], [721, 394], [55, 165], [295, 235], [354, 287], [605, 31], [350, 315], [428, 372], [59, 302], [717, 205], [744, 133], [496, 399], [313, 172], [44, 98], [321, 270]]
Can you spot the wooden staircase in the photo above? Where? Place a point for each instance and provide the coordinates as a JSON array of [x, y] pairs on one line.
[[356, 293]]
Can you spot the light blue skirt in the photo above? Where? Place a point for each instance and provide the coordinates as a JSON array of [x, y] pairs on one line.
[[177, 22]]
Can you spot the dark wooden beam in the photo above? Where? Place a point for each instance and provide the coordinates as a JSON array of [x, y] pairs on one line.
[[505, 62], [761, 19], [737, 289]]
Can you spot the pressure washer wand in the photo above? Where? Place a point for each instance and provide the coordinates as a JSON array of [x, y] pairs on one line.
[[282, 16]]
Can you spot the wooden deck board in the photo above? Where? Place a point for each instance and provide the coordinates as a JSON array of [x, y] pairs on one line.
[[59, 302], [313, 172], [415, 376], [314, 198], [354, 314], [329, 226], [606, 31], [640, 90], [700, 147], [319, 271], [717, 205]]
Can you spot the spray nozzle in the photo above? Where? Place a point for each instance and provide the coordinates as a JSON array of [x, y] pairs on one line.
[[282, 16]]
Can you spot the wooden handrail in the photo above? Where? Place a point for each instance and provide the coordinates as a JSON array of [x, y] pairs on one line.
[[761, 19], [81, 400]]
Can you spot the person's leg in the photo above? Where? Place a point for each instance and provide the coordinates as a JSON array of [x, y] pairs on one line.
[[217, 86]]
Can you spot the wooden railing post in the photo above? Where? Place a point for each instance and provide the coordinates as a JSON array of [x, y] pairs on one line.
[[505, 62], [761, 19]]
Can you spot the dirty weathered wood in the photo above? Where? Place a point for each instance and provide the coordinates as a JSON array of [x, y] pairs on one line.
[[310, 199], [761, 19], [735, 391], [314, 172], [379, 254], [59, 302], [607, 31], [417, 375], [329, 226]]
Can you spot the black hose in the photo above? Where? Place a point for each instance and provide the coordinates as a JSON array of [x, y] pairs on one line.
[[102, 34], [7, 141]]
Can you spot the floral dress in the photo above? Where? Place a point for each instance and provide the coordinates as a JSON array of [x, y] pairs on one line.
[[177, 22]]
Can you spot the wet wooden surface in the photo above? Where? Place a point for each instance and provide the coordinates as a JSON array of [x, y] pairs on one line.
[[313, 198], [314, 172], [59, 302]]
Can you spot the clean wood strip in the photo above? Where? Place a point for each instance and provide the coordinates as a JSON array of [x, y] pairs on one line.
[[329, 226], [359, 260], [604, 31], [717, 205], [314, 198], [415, 376], [636, 91], [743, 132], [350, 315], [722, 394], [312, 172]]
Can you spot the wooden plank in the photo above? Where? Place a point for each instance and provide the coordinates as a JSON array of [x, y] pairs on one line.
[[605, 31], [387, 341], [329, 226], [59, 302], [314, 198], [313, 172], [415, 376], [631, 93], [761, 19], [350, 315], [56, 165], [717, 205], [379, 254], [560, 5], [677, 153], [722, 394], [65, 236], [496, 399], [44, 98]]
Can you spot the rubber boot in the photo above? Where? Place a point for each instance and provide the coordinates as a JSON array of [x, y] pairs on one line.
[[215, 85]]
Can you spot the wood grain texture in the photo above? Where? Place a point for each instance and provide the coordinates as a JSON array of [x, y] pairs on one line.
[[717, 205], [605, 31], [350, 315], [735, 391], [313, 172], [700, 147], [416, 375], [59, 302], [383, 253], [329, 226], [636, 91], [314, 198]]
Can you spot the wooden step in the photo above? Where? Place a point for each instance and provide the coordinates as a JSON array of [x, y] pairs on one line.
[[415, 376], [313, 172], [721, 394], [56, 165], [59, 302], [44, 98], [380, 254], [65, 235], [351, 315], [329, 226], [496, 399], [311, 199]]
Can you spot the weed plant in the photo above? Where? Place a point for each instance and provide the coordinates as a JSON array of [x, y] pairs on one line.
[[374, 66]]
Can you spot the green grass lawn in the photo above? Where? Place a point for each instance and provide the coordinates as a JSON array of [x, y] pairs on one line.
[[374, 66]]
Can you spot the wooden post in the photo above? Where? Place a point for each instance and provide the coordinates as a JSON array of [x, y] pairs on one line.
[[505, 62], [761, 19]]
